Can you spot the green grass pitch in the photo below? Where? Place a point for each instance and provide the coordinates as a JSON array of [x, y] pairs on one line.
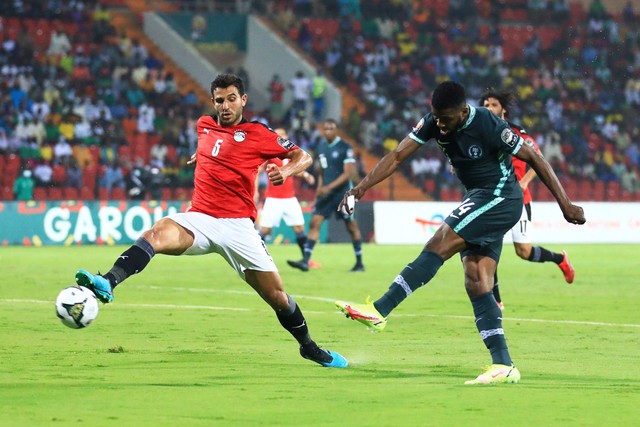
[[187, 343]]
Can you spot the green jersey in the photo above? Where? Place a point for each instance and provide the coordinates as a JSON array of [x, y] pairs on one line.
[[332, 158], [479, 151]]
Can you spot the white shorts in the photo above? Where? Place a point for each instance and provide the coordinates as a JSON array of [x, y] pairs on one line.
[[235, 239], [520, 229], [275, 210]]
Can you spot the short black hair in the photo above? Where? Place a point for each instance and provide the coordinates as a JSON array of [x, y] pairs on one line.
[[448, 94], [226, 80], [505, 97]]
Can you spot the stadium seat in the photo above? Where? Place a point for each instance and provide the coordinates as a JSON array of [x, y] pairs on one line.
[[87, 194], [613, 191], [118, 193], [70, 193], [103, 193], [598, 191], [167, 193], [39, 193], [54, 193], [6, 192]]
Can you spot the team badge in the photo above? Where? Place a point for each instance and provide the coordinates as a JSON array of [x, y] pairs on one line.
[[239, 135], [509, 137], [285, 143], [417, 127], [475, 152]]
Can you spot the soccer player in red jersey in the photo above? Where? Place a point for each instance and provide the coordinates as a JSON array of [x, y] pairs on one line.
[[222, 213], [281, 203], [499, 102]]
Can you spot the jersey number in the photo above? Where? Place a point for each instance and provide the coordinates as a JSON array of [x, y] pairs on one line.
[[464, 207], [216, 148]]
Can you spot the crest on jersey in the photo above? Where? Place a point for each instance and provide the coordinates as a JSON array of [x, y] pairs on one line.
[[417, 127], [239, 135], [509, 137], [475, 152], [285, 143]]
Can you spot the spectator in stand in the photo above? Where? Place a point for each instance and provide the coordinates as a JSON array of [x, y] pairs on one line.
[[146, 117], [23, 186], [155, 183], [59, 43], [74, 174], [276, 90], [301, 87], [159, 153], [319, 90], [135, 184], [62, 151], [112, 177], [43, 173]]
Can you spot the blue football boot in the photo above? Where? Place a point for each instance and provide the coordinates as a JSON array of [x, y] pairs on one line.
[[98, 284]]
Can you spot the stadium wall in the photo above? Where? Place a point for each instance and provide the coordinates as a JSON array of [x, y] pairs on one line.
[[266, 55], [178, 49]]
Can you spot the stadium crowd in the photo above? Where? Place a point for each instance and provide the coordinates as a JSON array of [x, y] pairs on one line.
[[576, 72], [90, 113]]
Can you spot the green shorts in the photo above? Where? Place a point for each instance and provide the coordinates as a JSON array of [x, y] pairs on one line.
[[482, 220], [328, 205]]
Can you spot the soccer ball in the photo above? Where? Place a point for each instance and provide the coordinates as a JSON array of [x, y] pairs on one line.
[[76, 307]]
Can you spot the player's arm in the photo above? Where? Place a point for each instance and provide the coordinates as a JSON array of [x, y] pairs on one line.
[[385, 167], [531, 174], [256, 195], [349, 170], [572, 213], [299, 161]]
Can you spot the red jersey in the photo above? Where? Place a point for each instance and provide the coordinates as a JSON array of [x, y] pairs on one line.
[[520, 167], [284, 191], [228, 159]]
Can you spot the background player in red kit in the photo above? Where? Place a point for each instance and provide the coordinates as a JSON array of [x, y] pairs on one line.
[[281, 203], [222, 213], [499, 102]]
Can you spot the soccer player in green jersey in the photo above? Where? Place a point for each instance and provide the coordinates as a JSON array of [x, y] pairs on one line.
[[338, 164], [479, 146]]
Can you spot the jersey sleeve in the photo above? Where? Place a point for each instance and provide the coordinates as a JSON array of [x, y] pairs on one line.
[[274, 145], [349, 156], [502, 136], [422, 132]]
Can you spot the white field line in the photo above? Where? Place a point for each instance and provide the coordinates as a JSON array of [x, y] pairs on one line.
[[323, 299]]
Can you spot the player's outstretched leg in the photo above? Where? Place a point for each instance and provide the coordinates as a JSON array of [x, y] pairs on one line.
[[98, 284], [292, 319]]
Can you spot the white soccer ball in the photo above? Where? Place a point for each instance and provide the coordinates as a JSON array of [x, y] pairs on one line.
[[76, 307]]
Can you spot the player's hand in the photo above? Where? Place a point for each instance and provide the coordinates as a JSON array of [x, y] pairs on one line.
[[322, 191], [192, 160], [311, 180], [574, 214], [349, 200], [275, 175]]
